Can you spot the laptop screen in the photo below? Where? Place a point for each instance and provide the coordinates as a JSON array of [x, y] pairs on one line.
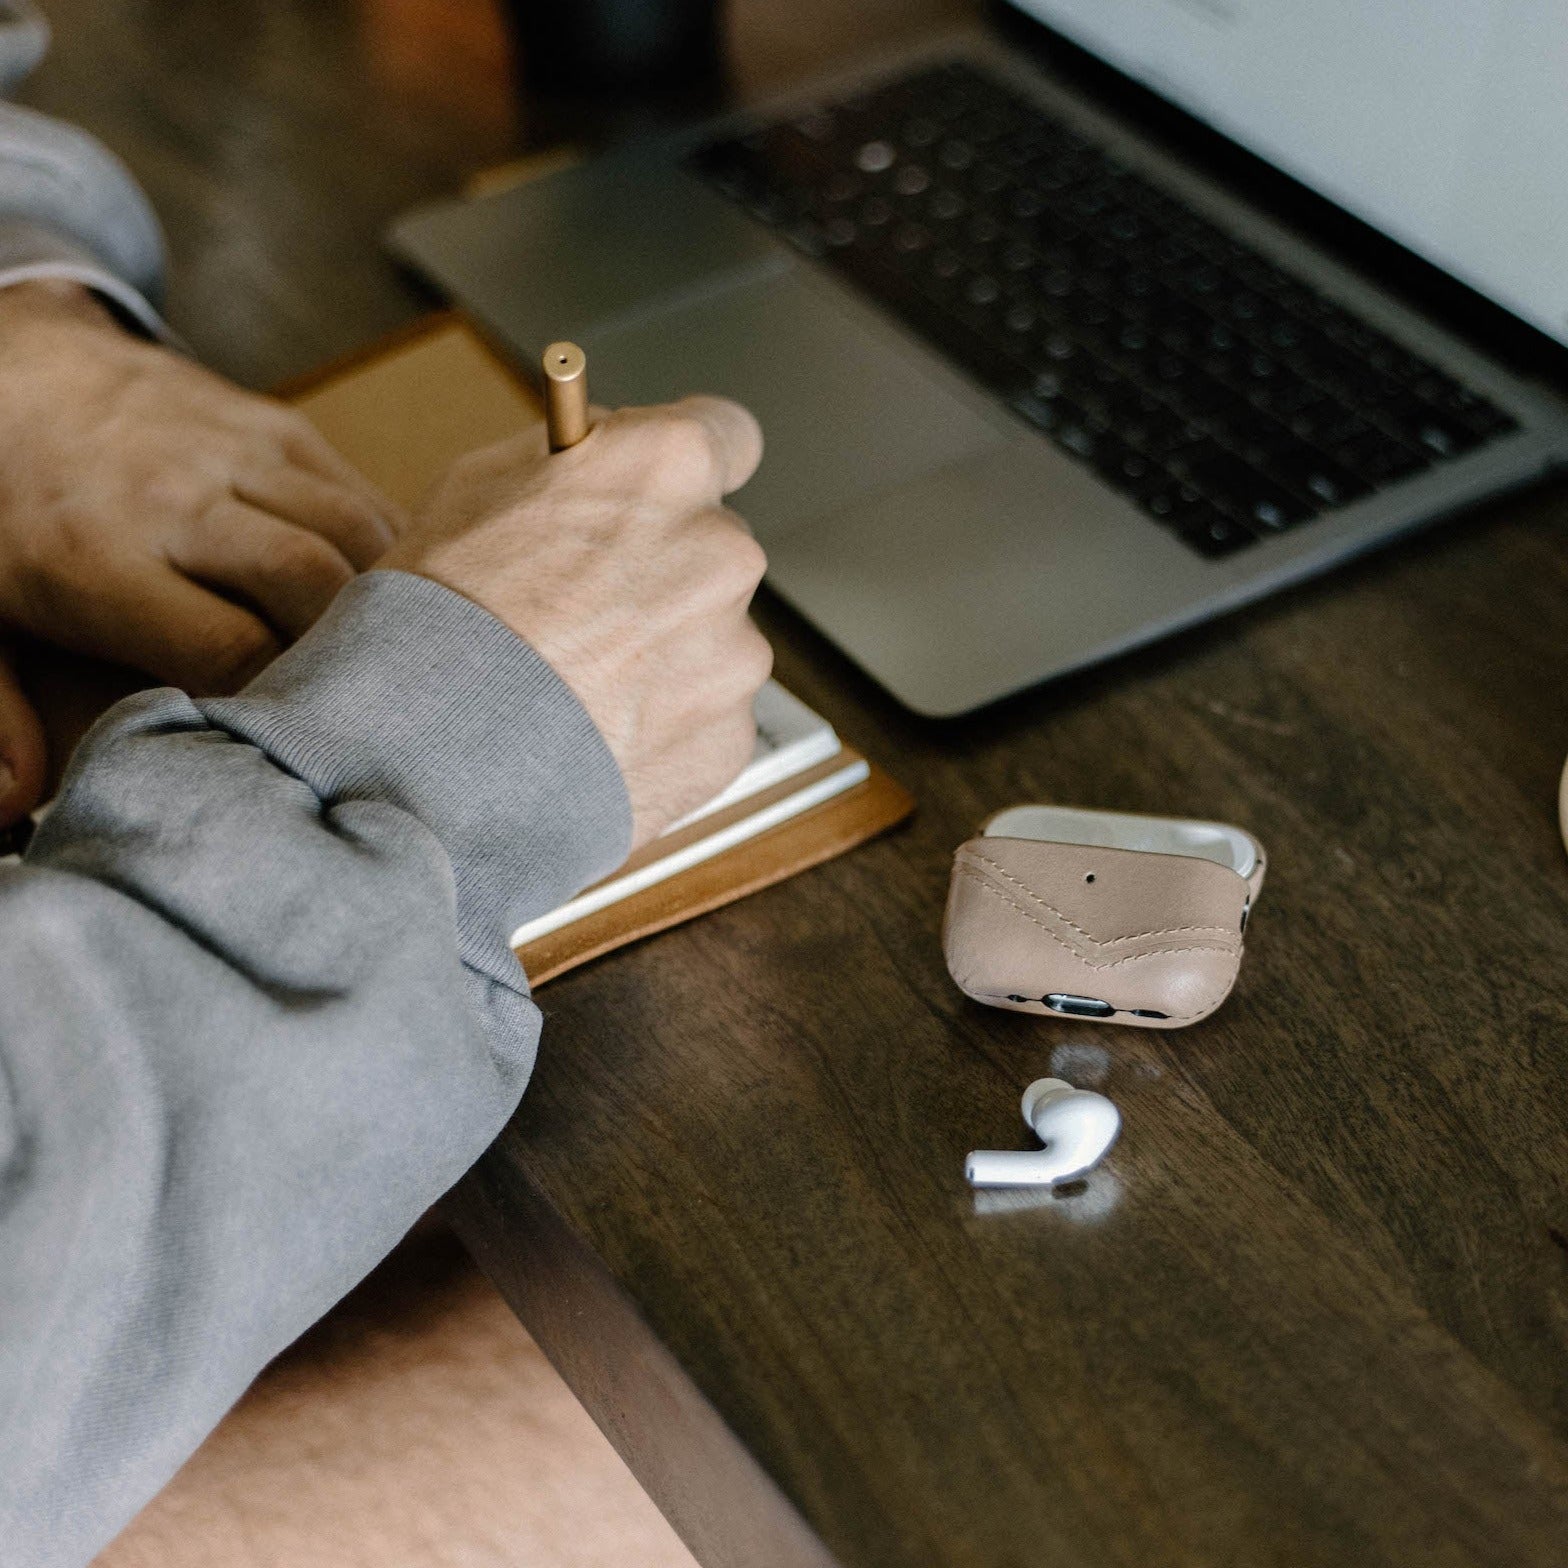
[[1444, 125]]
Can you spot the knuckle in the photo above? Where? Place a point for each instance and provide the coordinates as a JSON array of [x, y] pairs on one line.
[[754, 660], [750, 559], [736, 562], [230, 653], [487, 478], [281, 421], [617, 428], [53, 564], [361, 523], [764, 652], [166, 490], [307, 558], [169, 491], [278, 431], [683, 452], [69, 539]]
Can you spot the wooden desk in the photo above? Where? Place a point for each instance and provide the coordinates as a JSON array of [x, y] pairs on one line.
[[1313, 1311]]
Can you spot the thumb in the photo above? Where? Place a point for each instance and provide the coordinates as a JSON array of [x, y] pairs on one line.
[[23, 753]]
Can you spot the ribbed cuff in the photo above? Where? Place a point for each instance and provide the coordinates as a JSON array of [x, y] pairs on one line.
[[30, 252], [407, 692]]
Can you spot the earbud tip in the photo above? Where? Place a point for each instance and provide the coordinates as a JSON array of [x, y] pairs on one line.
[[1038, 1092]]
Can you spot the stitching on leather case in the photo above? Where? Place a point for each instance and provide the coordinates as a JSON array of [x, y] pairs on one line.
[[1111, 941], [1166, 952], [986, 885]]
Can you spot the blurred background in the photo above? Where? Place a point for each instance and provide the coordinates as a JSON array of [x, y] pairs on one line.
[[278, 138]]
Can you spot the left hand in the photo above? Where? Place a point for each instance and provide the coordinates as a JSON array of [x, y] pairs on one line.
[[153, 514], [23, 752]]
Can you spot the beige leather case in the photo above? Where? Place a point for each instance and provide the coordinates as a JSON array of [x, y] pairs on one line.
[[1112, 935]]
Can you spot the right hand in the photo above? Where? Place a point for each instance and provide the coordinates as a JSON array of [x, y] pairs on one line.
[[616, 561]]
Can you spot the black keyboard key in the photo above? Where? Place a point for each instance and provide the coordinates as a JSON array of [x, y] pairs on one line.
[[1210, 532], [1429, 430], [1201, 397], [1315, 477], [1329, 424], [1287, 399], [1240, 490], [1049, 414], [1378, 458], [1162, 434], [1124, 468], [870, 266], [1077, 436], [1177, 505]]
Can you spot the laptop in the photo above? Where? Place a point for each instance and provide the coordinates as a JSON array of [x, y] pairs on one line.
[[1041, 383]]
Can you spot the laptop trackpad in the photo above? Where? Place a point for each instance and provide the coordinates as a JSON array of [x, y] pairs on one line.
[[844, 412]]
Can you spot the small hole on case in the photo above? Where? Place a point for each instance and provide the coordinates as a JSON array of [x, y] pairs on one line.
[[1090, 877]]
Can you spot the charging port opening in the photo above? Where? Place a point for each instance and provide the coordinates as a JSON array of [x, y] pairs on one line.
[[1078, 1006]]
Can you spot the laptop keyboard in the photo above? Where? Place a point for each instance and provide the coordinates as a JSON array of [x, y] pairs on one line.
[[1226, 397]]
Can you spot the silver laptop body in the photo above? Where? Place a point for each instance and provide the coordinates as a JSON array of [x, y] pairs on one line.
[[950, 549]]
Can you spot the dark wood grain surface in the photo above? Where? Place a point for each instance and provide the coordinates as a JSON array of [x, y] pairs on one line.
[[1314, 1308]]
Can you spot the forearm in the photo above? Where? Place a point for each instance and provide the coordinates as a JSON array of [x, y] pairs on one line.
[[256, 1013]]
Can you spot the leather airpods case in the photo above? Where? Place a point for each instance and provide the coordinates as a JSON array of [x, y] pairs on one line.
[[1100, 915]]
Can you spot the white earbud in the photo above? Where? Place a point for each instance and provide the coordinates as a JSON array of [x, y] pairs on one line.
[[1076, 1127]]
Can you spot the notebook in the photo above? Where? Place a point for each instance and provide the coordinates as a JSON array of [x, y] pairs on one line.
[[404, 409]]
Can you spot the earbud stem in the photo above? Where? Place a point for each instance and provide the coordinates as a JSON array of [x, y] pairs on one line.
[[1012, 1168]]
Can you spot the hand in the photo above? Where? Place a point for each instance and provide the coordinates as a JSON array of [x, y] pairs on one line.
[[49, 699], [155, 515], [23, 752], [616, 561]]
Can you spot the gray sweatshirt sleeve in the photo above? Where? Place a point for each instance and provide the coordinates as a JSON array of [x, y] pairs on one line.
[[68, 207], [257, 1011]]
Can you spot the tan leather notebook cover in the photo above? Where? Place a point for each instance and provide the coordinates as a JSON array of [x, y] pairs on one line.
[[405, 408]]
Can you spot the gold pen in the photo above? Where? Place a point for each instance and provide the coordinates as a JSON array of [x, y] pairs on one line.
[[565, 395]]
